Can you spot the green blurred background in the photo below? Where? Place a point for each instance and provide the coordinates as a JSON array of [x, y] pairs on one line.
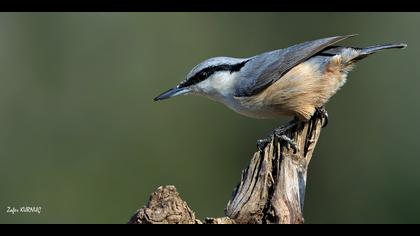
[[82, 138]]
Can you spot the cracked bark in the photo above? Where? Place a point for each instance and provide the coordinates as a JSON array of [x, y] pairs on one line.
[[271, 189]]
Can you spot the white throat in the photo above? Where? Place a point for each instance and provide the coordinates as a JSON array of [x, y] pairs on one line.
[[220, 86]]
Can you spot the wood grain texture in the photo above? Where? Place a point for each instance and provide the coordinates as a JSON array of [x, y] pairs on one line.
[[271, 189]]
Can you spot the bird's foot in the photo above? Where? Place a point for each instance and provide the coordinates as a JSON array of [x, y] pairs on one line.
[[280, 134], [322, 113], [262, 143]]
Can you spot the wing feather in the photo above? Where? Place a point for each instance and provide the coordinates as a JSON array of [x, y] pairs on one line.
[[284, 60]]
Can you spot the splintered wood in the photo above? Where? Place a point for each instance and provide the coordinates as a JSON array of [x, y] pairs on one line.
[[271, 189]]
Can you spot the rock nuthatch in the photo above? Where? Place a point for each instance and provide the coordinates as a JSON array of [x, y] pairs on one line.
[[295, 81]]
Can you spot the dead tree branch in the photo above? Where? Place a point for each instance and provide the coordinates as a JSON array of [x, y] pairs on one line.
[[271, 189]]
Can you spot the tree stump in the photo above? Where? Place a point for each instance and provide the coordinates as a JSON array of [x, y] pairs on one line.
[[271, 189]]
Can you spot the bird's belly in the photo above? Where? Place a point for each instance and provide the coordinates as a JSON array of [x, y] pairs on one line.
[[258, 111], [263, 113], [249, 109]]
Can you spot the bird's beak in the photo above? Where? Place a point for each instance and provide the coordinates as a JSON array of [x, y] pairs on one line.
[[172, 93]]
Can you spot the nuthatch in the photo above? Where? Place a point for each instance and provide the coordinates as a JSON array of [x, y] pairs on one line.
[[295, 81]]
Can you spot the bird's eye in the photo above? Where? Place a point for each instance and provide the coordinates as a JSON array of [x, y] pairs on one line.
[[204, 74]]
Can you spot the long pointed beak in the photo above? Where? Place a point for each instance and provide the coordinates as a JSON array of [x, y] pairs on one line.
[[172, 93]]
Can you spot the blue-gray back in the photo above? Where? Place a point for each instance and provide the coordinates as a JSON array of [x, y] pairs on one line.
[[268, 67]]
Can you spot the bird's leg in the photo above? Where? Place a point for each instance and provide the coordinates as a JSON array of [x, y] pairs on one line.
[[321, 112], [279, 132]]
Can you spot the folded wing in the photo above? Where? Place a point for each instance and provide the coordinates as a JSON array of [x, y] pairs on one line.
[[281, 62]]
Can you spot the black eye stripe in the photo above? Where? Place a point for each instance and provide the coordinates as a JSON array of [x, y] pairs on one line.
[[207, 72]]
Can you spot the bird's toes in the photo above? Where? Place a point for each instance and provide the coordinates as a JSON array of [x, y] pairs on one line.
[[322, 113]]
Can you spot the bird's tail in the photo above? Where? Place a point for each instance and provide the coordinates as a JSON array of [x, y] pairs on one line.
[[364, 52]]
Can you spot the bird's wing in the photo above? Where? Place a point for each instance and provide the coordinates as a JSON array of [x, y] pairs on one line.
[[285, 59]]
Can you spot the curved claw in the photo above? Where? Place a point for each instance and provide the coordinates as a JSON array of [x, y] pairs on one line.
[[280, 134], [321, 112]]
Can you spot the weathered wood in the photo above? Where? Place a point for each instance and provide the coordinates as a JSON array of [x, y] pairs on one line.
[[271, 189], [166, 207]]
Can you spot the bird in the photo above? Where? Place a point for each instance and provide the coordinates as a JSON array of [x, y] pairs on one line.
[[295, 81]]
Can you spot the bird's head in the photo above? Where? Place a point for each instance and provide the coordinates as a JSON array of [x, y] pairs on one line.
[[212, 77]]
